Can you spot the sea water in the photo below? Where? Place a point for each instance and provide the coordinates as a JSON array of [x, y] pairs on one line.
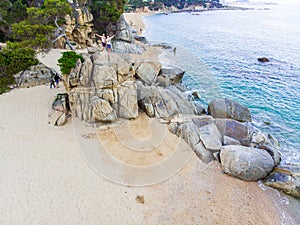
[[219, 51]]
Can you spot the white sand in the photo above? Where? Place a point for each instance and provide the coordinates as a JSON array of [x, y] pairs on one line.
[[45, 180]]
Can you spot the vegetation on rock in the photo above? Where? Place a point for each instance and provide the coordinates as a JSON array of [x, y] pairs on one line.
[[68, 61]]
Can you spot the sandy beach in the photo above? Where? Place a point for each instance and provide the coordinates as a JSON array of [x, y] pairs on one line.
[[45, 178], [135, 20]]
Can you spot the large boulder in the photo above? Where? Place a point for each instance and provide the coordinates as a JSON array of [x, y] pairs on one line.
[[60, 110], [122, 30], [163, 102], [285, 178], [167, 77], [102, 111], [148, 71], [127, 48], [234, 129], [246, 163], [205, 155], [34, 76], [211, 137], [74, 76], [127, 98], [104, 76], [226, 108]]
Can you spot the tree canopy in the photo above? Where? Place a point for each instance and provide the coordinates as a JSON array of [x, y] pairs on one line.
[[106, 11], [13, 59], [37, 30]]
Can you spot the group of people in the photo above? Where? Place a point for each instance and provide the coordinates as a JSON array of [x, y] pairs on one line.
[[105, 42], [54, 82]]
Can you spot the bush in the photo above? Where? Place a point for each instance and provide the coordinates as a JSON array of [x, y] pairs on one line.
[[68, 61], [13, 59]]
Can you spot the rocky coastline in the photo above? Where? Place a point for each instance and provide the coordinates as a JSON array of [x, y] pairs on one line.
[[109, 86]]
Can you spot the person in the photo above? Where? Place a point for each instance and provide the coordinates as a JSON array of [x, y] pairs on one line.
[[52, 84], [108, 43], [57, 79], [103, 41]]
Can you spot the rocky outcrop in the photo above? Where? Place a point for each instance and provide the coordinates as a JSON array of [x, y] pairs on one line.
[[263, 59], [36, 75], [108, 82], [226, 108], [122, 30], [231, 142], [246, 163], [167, 77], [125, 36], [285, 178], [79, 29], [148, 72], [60, 110], [163, 102]]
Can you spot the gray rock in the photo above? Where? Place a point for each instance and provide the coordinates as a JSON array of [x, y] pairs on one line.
[[202, 120], [246, 163], [285, 178], [163, 102], [102, 111], [167, 77], [263, 59], [74, 76], [57, 118], [148, 71], [172, 127], [140, 39], [205, 155], [86, 72], [234, 129], [230, 141], [128, 106], [61, 120], [104, 77], [122, 30], [274, 153], [36, 75], [210, 137], [61, 103], [127, 48], [226, 108]]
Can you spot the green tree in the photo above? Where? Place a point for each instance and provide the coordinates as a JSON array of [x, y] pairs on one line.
[[68, 61], [12, 11], [106, 11], [37, 30], [13, 59]]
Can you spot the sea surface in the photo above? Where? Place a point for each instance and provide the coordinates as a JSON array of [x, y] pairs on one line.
[[219, 51]]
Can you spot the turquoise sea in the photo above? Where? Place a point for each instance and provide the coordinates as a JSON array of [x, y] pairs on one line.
[[219, 51]]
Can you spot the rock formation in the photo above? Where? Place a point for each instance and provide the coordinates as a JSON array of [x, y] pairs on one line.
[[79, 29], [60, 110], [226, 108], [107, 86], [36, 75]]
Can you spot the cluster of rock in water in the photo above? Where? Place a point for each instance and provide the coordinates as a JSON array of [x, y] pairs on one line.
[[106, 87]]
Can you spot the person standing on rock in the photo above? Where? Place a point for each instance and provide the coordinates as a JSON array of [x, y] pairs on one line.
[[103, 40], [108, 43], [52, 82]]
